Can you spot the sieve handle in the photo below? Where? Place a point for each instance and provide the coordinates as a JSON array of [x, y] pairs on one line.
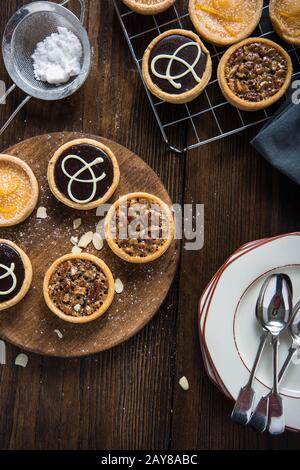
[[16, 111], [82, 8]]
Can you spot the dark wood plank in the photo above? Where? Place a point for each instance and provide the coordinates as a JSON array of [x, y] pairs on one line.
[[122, 398]]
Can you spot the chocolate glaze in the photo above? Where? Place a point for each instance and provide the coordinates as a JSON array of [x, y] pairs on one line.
[[9, 255], [169, 45], [82, 191]]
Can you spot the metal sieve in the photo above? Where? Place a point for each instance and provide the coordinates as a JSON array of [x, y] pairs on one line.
[[28, 26]]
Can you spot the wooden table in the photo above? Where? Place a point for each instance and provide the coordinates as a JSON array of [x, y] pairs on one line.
[[129, 397]]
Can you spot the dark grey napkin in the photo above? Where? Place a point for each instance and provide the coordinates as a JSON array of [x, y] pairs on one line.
[[279, 140]]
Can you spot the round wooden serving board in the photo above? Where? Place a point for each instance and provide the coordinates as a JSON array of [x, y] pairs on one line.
[[30, 325]]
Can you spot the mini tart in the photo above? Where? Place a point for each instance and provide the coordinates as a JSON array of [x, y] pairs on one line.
[[285, 17], [188, 60], [83, 174], [225, 22], [79, 288], [19, 191], [146, 214], [148, 7], [15, 274], [254, 74]]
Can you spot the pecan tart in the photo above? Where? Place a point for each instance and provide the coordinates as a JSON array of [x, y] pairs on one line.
[[15, 274], [83, 174], [177, 66], [285, 17], [19, 191], [79, 288], [148, 7], [139, 228], [225, 22], [255, 73]]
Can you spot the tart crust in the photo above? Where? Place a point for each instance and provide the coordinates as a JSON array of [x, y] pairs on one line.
[[145, 8], [27, 280], [250, 105], [281, 27], [215, 38], [112, 243], [68, 202], [188, 95], [33, 191], [107, 302]]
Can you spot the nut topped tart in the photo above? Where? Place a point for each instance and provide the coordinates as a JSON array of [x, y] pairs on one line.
[[19, 191], [15, 274], [177, 66], [83, 174], [225, 22], [139, 228], [79, 288], [148, 7], [255, 73], [285, 17]]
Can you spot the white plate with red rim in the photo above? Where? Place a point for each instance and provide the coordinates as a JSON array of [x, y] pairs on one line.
[[229, 332]]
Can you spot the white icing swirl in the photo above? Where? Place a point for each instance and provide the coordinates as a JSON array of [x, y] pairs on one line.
[[76, 177], [9, 273], [190, 68]]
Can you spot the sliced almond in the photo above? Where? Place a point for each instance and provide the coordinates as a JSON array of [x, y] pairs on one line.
[[74, 240], [2, 353], [76, 250], [41, 213], [21, 360], [85, 240], [77, 223], [184, 384], [98, 241], [119, 286], [59, 334]]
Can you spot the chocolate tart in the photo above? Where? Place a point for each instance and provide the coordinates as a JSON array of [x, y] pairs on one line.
[[19, 191], [177, 66], [15, 274], [225, 22], [285, 17], [83, 174], [254, 74], [148, 7], [139, 228], [79, 288]]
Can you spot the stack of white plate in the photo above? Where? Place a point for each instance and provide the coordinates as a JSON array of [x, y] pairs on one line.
[[229, 332]]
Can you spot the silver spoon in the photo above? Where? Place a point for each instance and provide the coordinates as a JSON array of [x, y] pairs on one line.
[[259, 419], [244, 404]]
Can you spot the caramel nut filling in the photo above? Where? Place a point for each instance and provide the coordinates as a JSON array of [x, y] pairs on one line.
[[78, 288], [256, 72], [140, 227]]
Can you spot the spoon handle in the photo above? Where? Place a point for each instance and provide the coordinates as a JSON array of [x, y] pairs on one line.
[[276, 419], [243, 407]]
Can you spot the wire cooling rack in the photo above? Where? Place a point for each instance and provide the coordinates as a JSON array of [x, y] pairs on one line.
[[210, 117]]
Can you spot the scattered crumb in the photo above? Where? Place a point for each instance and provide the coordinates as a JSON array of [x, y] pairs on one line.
[[119, 286], [74, 240], [98, 241], [76, 250], [86, 239], [59, 334], [2, 353], [41, 213], [21, 360], [184, 384], [77, 223]]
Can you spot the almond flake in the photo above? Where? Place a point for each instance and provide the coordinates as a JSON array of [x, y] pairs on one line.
[[119, 286], [85, 240], [41, 213], [21, 360], [183, 382], [74, 240], [59, 334], [2, 353], [77, 223], [98, 241], [76, 250], [77, 308]]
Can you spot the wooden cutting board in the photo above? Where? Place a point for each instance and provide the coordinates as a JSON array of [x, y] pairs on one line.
[[30, 325]]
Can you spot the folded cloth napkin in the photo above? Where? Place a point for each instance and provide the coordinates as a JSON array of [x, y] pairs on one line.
[[279, 140]]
